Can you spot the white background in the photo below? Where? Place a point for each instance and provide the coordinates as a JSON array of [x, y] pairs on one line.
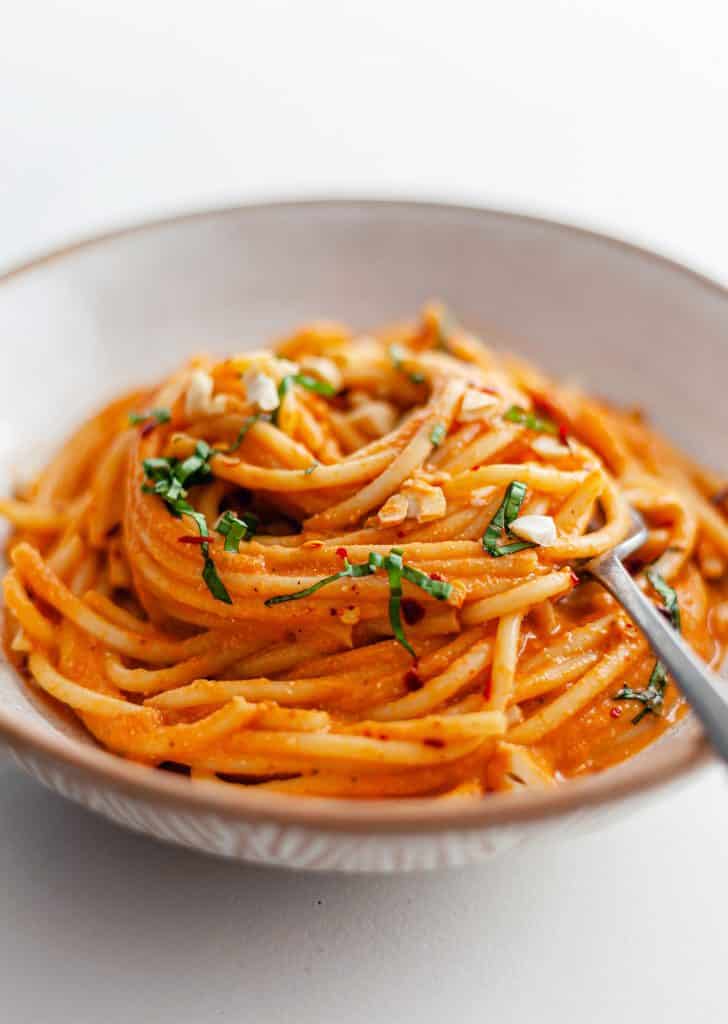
[[608, 114]]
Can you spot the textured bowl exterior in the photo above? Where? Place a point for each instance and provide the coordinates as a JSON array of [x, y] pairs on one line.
[[277, 845], [306, 847], [80, 325]]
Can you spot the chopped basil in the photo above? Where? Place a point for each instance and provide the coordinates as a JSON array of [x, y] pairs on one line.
[[304, 380], [309, 469], [501, 521], [249, 422], [214, 584], [170, 482], [160, 415], [209, 573], [396, 570], [435, 588], [652, 697], [235, 529], [668, 595], [321, 387], [518, 415], [437, 434], [394, 574], [283, 388], [398, 355], [349, 570]]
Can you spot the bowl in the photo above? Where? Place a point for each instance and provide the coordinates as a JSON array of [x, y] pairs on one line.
[[81, 324]]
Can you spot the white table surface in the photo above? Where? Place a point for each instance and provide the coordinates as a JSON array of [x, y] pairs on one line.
[[611, 115]]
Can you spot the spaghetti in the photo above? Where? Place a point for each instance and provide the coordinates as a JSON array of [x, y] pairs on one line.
[[349, 567]]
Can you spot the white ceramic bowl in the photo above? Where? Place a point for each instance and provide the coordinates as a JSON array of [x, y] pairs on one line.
[[82, 324]]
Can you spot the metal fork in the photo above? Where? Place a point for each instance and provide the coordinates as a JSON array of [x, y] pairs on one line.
[[706, 692]]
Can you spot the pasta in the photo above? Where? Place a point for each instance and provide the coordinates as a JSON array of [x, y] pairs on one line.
[[349, 567]]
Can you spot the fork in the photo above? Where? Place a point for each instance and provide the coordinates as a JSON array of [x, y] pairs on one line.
[[704, 690]]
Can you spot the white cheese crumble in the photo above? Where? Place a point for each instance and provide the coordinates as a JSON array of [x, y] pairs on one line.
[[261, 390], [417, 500], [549, 447], [199, 400], [539, 530], [475, 403]]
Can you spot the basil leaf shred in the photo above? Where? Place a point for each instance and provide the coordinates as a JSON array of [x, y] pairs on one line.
[[652, 696], [501, 522]]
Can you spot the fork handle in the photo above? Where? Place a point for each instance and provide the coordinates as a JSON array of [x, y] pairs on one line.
[[705, 691]]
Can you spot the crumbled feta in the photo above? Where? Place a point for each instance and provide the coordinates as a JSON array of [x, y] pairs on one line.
[[549, 447], [425, 502], [475, 404], [417, 500], [539, 530], [199, 400], [261, 390], [394, 510]]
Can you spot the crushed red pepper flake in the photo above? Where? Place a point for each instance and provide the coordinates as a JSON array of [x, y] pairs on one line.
[[433, 741], [193, 540]]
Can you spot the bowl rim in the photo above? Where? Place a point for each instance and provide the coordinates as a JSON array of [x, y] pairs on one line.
[[93, 764]]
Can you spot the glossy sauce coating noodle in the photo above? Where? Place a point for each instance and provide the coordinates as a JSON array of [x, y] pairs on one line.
[[346, 567]]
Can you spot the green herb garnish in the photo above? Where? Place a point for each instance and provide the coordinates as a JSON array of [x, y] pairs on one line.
[[170, 481], [365, 569], [437, 434], [160, 415], [398, 355], [501, 521], [209, 572], [248, 422], [214, 584], [309, 469], [668, 595], [394, 574], [653, 695], [321, 387], [396, 570], [516, 414], [435, 588], [235, 529]]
